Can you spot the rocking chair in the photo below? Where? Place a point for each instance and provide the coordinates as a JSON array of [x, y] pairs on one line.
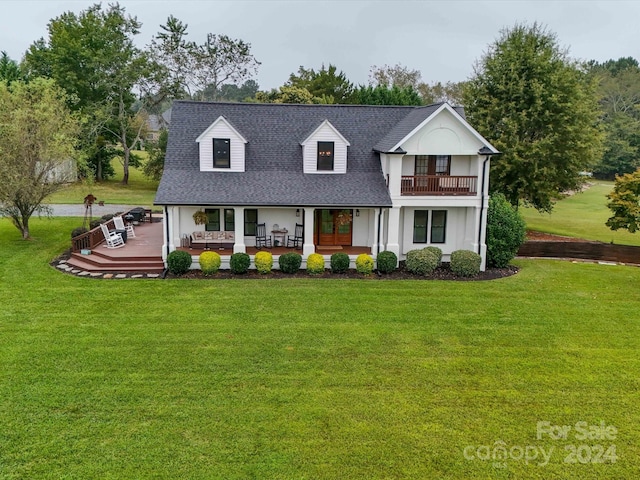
[[262, 241], [298, 237], [119, 223], [114, 240]]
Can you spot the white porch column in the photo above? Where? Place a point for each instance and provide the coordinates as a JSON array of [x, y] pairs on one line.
[[307, 247], [239, 246], [395, 173], [393, 233], [375, 233]]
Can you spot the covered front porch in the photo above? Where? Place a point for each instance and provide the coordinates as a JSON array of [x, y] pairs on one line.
[[230, 229]]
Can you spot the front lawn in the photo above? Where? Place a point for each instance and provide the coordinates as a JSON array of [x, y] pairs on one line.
[[582, 215], [311, 378]]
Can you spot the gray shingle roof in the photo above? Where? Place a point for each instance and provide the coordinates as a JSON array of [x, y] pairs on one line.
[[273, 156]]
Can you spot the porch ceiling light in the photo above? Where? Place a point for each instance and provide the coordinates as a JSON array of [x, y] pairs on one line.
[[297, 212]]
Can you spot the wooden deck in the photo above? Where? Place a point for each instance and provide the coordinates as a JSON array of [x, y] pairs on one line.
[[143, 253]]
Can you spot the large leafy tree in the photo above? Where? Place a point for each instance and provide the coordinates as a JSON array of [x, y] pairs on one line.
[[327, 83], [540, 109], [92, 55], [37, 133], [200, 71], [619, 90], [406, 78], [384, 95], [624, 202], [9, 69]]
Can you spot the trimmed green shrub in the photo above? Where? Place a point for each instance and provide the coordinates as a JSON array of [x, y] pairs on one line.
[[78, 231], [465, 263], [339, 262], [315, 264], [239, 263], [421, 262], [263, 262], [436, 252], [387, 261], [209, 262], [506, 231], [179, 262], [364, 264], [290, 262]]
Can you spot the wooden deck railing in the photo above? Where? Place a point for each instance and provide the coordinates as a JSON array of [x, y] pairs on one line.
[[438, 185], [91, 239]]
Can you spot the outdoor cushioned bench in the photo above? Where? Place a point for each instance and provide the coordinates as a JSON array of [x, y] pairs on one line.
[[215, 240]]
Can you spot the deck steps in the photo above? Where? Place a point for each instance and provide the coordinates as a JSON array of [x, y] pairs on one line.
[[102, 262]]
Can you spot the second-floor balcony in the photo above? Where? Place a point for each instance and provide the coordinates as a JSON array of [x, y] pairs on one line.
[[438, 185]]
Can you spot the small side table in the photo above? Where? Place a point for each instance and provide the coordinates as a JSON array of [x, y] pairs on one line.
[[279, 236]]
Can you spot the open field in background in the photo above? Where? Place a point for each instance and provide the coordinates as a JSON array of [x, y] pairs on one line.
[[310, 378], [582, 215], [140, 190]]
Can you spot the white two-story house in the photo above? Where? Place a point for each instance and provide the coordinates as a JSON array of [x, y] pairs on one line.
[[352, 178]]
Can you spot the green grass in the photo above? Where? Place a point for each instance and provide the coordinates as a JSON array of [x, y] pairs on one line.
[[139, 191], [582, 215], [308, 379]]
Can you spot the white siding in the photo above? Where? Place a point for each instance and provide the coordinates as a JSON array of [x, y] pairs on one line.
[[326, 133], [443, 135], [221, 129]]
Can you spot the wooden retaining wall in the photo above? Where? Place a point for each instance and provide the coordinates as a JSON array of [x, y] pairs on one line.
[[582, 250]]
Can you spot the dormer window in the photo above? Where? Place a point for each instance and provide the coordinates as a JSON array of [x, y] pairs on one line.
[[325, 156], [221, 153]]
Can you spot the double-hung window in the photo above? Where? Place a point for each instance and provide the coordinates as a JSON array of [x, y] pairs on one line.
[[221, 153], [229, 220], [325, 155], [250, 222], [213, 220], [438, 227], [433, 165]]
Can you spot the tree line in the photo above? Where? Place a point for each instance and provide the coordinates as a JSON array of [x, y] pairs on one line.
[[551, 116]]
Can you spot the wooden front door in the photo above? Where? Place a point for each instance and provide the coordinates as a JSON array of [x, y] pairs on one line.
[[331, 230]]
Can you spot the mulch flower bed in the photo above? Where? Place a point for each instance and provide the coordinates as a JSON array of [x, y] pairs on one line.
[[441, 273]]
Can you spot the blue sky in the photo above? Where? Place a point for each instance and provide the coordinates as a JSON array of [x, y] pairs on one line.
[[441, 39]]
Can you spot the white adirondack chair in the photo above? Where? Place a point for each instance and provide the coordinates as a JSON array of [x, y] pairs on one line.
[[114, 240], [119, 223]]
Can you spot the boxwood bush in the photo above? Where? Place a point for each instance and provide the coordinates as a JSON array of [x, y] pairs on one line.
[[179, 262], [263, 262], [339, 262], [315, 264], [364, 264], [436, 251], [239, 263], [209, 262], [290, 262], [387, 261], [421, 262], [465, 263]]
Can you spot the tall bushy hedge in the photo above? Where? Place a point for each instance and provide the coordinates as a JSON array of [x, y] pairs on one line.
[[179, 262], [506, 230]]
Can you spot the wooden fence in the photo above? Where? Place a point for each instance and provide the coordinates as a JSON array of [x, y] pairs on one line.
[[582, 250]]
